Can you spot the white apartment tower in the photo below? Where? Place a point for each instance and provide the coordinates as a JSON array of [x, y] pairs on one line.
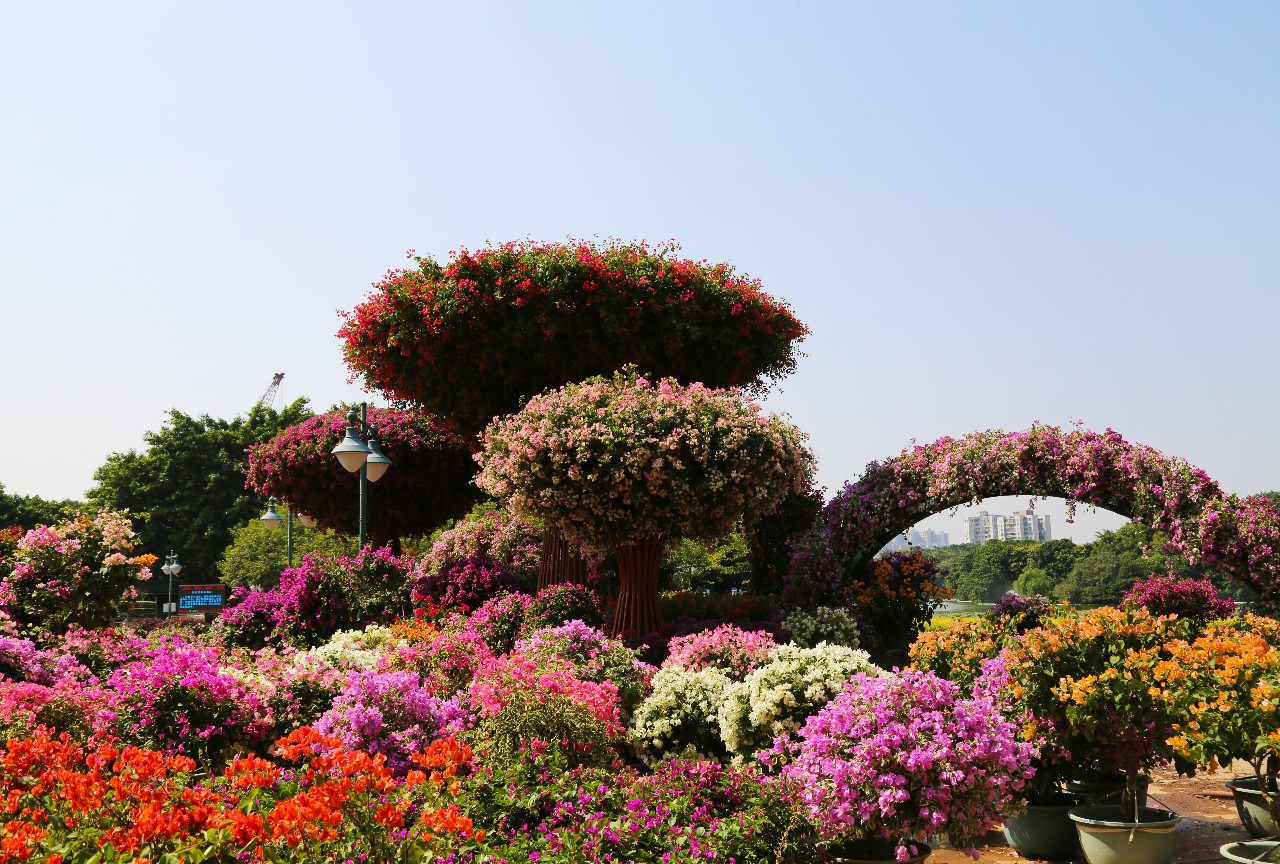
[[1022, 525]]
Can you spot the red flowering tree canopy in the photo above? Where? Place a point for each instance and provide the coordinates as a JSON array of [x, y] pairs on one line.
[[468, 340], [1208, 526], [428, 483], [612, 460]]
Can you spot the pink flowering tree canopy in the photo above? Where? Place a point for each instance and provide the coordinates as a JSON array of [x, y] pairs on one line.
[[428, 483], [1201, 522], [614, 459], [467, 340]]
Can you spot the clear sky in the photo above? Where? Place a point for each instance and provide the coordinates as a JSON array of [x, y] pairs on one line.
[[988, 213]]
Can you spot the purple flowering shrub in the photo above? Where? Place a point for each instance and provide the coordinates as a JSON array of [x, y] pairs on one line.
[[733, 651], [465, 583], [1196, 600], [390, 713], [1017, 614], [556, 604], [906, 756], [249, 619]]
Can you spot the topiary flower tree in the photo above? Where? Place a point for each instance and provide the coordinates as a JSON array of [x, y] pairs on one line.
[[469, 339], [1208, 526], [429, 482], [626, 463]]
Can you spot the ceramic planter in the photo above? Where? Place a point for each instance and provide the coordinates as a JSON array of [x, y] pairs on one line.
[[1045, 830], [1253, 852], [1107, 837], [1251, 804], [1107, 791]]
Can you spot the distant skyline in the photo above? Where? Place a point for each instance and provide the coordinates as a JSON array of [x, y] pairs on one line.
[[1062, 210]]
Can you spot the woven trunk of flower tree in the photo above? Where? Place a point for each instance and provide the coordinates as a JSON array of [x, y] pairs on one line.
[[559, 562], [639, 610]]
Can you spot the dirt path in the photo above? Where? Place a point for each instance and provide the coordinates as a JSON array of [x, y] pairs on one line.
[[1208, 820]]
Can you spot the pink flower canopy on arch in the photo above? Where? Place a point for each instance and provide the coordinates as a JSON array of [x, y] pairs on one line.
[[1210, 527]]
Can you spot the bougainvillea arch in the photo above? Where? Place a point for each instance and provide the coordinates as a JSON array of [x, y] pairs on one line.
[[429, 481], [1240, 536]]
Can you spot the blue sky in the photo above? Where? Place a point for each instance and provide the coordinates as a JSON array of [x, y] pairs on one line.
[[988, 213]]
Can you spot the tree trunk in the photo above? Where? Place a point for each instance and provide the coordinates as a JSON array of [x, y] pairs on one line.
[[559, 562], [639, 612]]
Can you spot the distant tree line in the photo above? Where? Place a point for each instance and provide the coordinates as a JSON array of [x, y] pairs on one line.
[[1091, 573]]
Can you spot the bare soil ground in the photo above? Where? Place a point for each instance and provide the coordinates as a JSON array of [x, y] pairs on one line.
[[1208, 820]]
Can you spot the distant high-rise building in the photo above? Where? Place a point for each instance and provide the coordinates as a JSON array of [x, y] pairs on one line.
[[1022, 525], [918, 539]]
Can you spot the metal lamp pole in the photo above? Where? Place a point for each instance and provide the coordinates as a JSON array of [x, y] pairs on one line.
[[171, 568], [272, 520], [359, 451]]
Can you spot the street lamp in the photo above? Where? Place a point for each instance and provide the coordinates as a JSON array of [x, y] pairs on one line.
[[272, 520], [171, 568], [359, 451]]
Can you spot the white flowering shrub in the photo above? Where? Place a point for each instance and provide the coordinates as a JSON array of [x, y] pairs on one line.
[[779, 696], [355, 649], [679, 720], [832, 625]]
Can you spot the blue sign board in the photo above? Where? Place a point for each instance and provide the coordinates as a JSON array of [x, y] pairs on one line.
[[201, 598]]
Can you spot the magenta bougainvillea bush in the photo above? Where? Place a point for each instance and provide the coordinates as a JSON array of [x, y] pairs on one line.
[[494, 533], [1201, 522], [468, 339], [1197, 600], [428, 483]]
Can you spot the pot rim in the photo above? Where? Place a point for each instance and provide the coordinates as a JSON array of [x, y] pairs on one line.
[[1247, 784], [1095, 815], [1245, 847]]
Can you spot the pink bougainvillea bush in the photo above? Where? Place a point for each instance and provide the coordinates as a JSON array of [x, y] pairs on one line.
[[614, 459], [468, 339], [428, 483], [906, 756], [79, 572], [1201, 522], [492, 532]]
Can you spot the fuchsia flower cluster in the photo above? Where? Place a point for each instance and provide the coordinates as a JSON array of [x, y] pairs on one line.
[[905, 756], [1201, 522], [1197, 600]]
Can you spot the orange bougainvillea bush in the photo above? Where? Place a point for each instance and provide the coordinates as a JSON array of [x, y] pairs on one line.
[[65, 802]]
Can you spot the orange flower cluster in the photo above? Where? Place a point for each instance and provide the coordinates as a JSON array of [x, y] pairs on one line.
[[145, 804], [415, 631]]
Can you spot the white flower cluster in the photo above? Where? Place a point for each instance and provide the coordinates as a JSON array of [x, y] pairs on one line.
[[678, 720], [829, 624], [707, 715], [779, 696], [355, 649]]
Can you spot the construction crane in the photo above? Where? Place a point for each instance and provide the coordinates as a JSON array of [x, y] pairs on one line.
[[269, 397]]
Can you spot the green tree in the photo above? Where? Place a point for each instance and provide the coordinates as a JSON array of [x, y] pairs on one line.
[[257, 554], [954, 562], [1032, 581], [993, 567], [187, 487], [1054, 557], [1109, 565], [28, 511], [698, 566]]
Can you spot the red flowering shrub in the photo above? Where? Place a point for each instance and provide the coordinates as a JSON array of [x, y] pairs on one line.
[[467, 339], [429, 482]]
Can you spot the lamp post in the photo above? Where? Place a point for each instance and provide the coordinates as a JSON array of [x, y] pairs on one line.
[[171, 568], [272, 520], [359, 451]]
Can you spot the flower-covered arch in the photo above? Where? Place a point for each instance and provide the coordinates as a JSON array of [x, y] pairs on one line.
[[1238, 535]]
